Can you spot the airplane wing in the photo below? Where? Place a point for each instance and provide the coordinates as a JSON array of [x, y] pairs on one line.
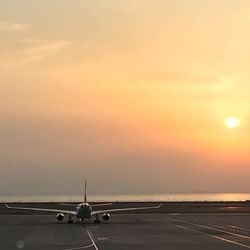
[[95, 205], [123, 209], [43, 210], [68, 204], [100, 205]]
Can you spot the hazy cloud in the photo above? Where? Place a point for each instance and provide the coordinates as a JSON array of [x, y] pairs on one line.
[[22, 49], [13, 27], [37, 49], [181, 77], [28, 50]]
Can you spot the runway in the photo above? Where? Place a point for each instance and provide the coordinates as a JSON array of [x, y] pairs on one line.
[[128, 231]]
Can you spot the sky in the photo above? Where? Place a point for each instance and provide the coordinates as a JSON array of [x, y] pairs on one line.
[[130, 95]]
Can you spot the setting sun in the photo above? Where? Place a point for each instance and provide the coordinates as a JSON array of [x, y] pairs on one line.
[[232, 122]]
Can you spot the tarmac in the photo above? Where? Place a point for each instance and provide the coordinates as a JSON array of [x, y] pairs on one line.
[[227, 228]]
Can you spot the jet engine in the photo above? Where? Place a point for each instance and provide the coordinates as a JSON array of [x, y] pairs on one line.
[[60, 217], [106, 216]]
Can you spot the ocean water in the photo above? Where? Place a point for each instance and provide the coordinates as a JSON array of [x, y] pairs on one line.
[[128, 198]]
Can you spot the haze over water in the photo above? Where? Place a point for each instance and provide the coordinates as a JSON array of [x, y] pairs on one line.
[[130, 198]]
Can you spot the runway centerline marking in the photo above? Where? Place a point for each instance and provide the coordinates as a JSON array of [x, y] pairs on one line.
[[215, 237], [92, 239]]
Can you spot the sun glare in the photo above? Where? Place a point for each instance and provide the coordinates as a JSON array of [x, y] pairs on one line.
[[232, 122]]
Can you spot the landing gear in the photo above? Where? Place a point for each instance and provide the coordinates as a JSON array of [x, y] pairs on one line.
[[70, 221], [97, 221]]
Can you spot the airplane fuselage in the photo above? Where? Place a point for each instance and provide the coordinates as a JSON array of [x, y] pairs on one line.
[[84, 211]]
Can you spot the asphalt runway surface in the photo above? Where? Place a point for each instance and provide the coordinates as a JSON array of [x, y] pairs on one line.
[[128, 231]]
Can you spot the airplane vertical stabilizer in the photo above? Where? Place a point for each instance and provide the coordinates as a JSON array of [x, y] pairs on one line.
[[85, 192]]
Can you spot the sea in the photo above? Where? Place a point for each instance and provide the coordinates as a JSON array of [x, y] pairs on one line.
[[174, 197]]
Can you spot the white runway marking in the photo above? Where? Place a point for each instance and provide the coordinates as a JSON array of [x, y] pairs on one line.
[[215, 237], [236, 227], [232, 227], [89, 246], [77, 248], [214, 229], [92, 240], [103, 238]]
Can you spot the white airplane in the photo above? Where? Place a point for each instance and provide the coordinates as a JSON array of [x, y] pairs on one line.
[[83, 210]]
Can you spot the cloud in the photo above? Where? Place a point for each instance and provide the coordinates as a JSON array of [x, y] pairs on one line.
[[23, 51], [13, 27], [19, 50], [181, 77], [34, 49]]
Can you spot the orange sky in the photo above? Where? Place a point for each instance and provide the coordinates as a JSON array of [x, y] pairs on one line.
[[116, 88]]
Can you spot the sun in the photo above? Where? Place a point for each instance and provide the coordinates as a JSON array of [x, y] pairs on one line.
[[232, 122]]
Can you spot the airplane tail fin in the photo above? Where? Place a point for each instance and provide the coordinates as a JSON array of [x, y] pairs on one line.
[[85, 192]]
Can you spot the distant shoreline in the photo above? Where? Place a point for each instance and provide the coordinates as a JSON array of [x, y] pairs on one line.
[[169, 197]]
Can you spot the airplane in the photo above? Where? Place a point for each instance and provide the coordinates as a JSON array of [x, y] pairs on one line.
[[83, 210]]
